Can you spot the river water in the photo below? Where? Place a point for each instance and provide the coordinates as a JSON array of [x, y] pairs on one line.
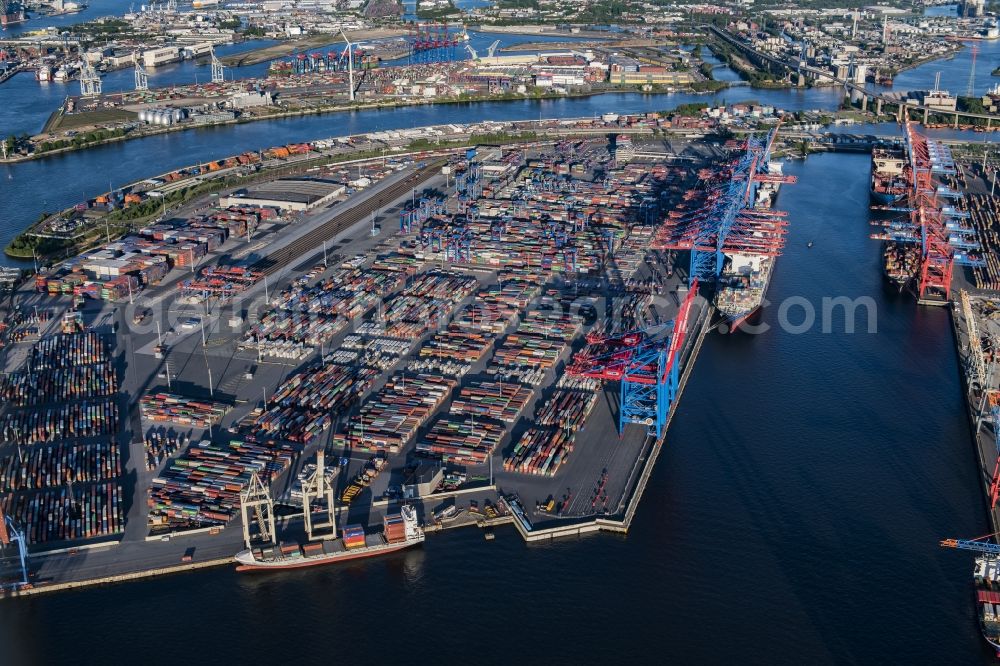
[[792, 518], [58, 181]]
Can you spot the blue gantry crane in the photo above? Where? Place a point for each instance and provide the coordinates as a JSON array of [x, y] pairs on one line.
[[12, 538], [728, 221], [977, 545], [648, 370]]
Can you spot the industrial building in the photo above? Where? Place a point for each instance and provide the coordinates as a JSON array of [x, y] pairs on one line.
[[288, 194]]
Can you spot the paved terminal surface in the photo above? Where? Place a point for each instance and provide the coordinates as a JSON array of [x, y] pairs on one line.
[[203, 361]]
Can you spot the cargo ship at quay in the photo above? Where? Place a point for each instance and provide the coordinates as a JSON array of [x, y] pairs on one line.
[[888, 174], [400, 531], [742, 286], [514, 248], [985, 584], [889, 186]]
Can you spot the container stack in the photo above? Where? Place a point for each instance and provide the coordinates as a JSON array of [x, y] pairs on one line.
[[202, 486], [63, 483], [80, 419], [56, 465], [456, 344], [550, 324], [219, 282], [169, 407], [529, 350], [306, 404], [64, 351], [378, 352], [503, 402], [58, 385], [463, 440], [389, 419], [87, 512], [397, 262], [566, 409], [441, 285], [160, 444], [409, 317], [513, 374], [279, 331], [353, 536], [394, 528], [540, 451], [304, 318]]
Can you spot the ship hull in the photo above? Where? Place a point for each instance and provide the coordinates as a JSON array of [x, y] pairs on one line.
[[885, 198], [321, 560], [993, 643], [737, 323]]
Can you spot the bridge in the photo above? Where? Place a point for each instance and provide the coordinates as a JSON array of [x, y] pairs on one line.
[[903, 109]]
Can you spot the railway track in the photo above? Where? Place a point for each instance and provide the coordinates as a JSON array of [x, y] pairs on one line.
[[329, 230]]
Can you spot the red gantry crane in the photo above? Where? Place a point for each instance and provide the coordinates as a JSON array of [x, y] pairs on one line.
[[648, 370], [944, 236], [725, 220]]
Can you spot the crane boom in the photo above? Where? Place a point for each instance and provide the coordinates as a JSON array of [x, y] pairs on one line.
[[972, 544]]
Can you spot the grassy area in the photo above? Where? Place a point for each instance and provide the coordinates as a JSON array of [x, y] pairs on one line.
[[76, 120]]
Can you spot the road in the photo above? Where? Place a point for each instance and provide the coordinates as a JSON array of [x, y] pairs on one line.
[[339, 222]]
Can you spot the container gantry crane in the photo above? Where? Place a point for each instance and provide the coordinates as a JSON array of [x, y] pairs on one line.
[[977, 545], [726, 221], [938, 256], [12, 537], [648, 371]]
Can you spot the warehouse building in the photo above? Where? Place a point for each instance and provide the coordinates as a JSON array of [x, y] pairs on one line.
[[287, 194]]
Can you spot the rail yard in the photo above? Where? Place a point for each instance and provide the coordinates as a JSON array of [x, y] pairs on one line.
[[483, 334]]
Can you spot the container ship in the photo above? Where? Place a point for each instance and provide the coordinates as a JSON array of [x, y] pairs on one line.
[[11, 13], [900, 262], [888, 178], [987, 579], [399, 531], [745, 277]]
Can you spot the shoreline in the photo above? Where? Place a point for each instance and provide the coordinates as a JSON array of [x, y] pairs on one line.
[[336, 109], [290, 46], [357, 156]]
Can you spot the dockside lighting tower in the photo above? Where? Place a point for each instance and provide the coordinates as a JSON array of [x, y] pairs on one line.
[[350, 65]]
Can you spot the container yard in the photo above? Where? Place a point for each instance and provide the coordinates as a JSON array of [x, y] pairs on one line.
[[419, 333]]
